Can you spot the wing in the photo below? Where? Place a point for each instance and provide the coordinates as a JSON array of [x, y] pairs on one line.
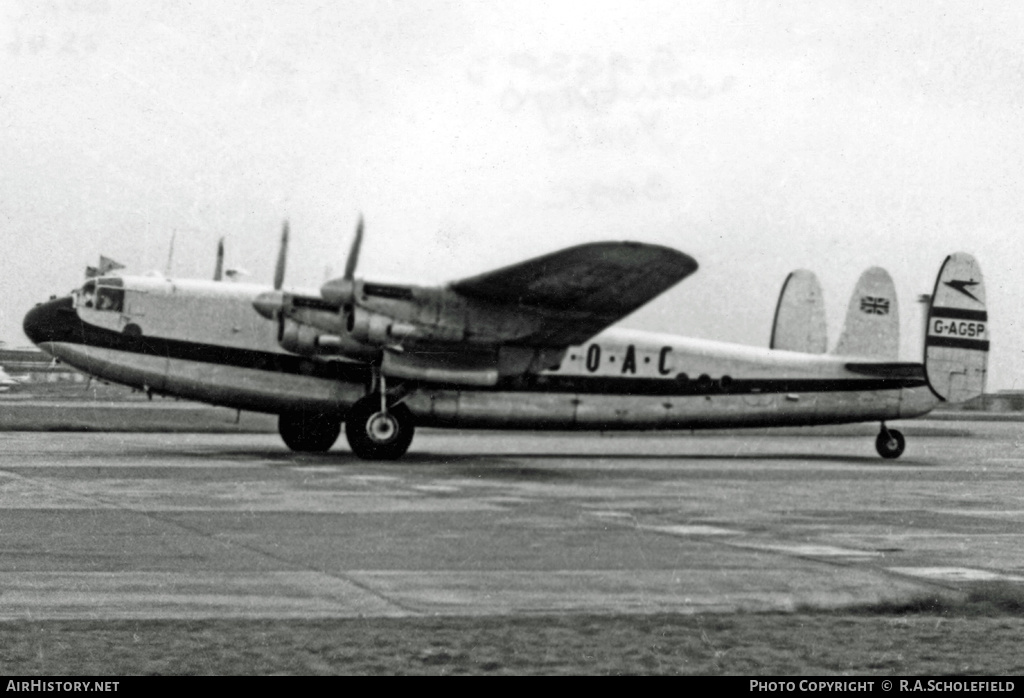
[[581, 290]]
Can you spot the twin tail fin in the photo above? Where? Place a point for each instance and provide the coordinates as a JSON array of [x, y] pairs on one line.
[[800, 315], [872, 326], [956, 342]]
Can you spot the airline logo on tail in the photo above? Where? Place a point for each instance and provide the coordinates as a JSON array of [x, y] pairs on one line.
[[957, 342], [961, 286], [959, 327]]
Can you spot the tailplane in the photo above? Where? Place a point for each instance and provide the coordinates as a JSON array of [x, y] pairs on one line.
[[872, 327], [956, 342], [800, 315]]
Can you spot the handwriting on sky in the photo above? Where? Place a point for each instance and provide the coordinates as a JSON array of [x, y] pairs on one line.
[[587, 100], [60, 27]]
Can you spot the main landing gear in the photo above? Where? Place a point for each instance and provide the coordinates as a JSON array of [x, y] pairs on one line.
[[890, 443], [308, 432], [378, 432], [373, 433], [375, 430]]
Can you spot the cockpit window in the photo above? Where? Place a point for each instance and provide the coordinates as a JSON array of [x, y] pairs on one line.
[[87, 296], [101, 296], [110, 299]]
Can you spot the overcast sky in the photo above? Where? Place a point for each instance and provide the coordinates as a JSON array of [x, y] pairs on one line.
[[758, 137]]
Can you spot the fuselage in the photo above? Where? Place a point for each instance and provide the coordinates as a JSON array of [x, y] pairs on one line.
[[202, 340]]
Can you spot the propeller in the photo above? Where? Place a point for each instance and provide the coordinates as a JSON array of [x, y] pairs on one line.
[[270, 303], [282, 257], [218, 271], [353, 254], [342, 291], [339, 292]]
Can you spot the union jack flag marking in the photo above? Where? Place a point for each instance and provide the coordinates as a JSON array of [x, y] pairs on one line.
[[874, 305]]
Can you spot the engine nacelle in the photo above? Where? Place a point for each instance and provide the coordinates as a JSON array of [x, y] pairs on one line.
[[298, 338], [377, 329], [307, 340]]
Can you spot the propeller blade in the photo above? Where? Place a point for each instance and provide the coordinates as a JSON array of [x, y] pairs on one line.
[[282, 257], [218, 271], [341, 291], [353, 254]]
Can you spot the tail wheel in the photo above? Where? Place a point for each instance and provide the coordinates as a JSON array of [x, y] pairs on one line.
[[890, 443], [309, 432], [376, 435]]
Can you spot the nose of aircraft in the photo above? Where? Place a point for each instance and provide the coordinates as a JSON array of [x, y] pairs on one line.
[[53, 321]]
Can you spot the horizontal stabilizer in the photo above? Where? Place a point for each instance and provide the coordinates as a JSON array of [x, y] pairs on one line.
[[957, 340], [891, 371], [872, 327], [800, 315]]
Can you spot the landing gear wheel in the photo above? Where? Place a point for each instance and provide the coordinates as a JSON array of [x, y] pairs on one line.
[[890, 443], [376, 435], [309, 432]]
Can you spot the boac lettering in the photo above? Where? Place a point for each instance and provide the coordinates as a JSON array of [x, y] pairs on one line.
[[629, 363], [662, 368]]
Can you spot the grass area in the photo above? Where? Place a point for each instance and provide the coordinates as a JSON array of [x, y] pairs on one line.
[[984, 599], [979, 635]]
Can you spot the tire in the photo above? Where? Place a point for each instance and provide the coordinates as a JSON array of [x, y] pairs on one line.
[[376, 436], [890, 443], [308, 432]]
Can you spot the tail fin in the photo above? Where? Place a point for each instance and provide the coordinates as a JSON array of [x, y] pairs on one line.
[[957, 340], [872, 327], [800, 315]]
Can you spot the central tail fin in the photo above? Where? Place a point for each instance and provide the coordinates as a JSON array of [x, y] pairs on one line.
[[872, 327], [956, 343], [800, 315]]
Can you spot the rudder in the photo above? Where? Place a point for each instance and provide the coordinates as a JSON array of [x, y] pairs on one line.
[[956, 343], [800, 315]]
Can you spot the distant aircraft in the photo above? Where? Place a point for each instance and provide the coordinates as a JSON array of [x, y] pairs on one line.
[[527, 346], [7, 383]]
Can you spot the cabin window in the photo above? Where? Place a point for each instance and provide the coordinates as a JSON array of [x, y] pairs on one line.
[[111, 299]]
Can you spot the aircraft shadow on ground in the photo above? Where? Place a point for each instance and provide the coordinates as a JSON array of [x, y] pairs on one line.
[[420, 459]]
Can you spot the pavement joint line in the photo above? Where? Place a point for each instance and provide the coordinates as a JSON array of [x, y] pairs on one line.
[[220, 541], [289, 563], [621, 506], [692, 530], [959, 574]]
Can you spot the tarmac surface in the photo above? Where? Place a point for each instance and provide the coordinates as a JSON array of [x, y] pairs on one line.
[[137, 525]]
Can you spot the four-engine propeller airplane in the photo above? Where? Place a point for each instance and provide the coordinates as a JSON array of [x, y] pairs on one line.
[[527, 346]]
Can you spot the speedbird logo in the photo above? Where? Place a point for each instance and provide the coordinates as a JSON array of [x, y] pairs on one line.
[[961, 286]]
